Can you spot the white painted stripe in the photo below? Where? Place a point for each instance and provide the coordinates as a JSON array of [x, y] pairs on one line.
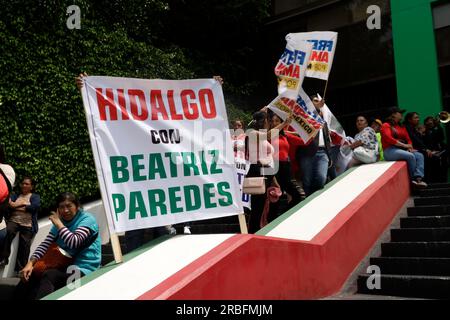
[[144, 272], [308, 221]]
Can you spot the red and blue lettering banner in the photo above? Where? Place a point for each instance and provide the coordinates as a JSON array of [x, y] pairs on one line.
[[322, 54], [161, 154], [291, 67], [306, 122]]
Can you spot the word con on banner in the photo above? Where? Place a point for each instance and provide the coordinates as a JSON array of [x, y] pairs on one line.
[[170, 136]]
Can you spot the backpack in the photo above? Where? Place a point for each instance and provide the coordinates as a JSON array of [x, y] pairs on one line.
[[5, 193]]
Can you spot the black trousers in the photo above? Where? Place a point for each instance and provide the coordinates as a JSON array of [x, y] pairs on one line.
[[38, 288], [258, 200], [25, 239], [287, 183]]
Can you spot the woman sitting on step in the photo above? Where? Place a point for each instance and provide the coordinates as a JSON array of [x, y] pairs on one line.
[[74, 231]]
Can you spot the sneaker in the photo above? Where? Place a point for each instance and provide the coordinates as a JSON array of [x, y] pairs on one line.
[[422, 184], [187, 230]]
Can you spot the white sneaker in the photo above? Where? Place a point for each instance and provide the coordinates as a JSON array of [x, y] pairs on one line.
[[187, 230], [422, 184]]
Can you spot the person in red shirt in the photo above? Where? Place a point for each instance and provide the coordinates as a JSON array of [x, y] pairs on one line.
[[282, 144], [397, 145]]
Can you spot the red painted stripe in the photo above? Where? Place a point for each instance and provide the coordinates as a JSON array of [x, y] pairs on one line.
[[364, 201], [258, 267]]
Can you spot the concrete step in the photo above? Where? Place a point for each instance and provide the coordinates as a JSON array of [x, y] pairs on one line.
[[435, 210], [433, 192], [429, 201], [413, 266], [425, 222], [429, 287], [416, 249], [439, 185], [420, 234]]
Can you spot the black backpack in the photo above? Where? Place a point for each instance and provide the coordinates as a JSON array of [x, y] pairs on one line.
[[4, 205]]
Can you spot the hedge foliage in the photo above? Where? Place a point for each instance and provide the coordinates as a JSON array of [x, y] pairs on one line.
[[42, 120]]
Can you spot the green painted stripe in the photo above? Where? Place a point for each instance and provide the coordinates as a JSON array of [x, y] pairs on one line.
[[110, 266], [415, 55], [293, 210]]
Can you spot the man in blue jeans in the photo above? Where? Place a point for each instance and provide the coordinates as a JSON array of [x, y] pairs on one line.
[[314, 158]]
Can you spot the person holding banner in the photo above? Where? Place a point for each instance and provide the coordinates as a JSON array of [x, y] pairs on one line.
[[282, 143], [314, 158], [259, 152], [238, 138]]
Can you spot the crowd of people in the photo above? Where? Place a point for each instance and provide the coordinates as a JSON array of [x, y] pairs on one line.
[[306, 168], [292, 170], [73, 241]]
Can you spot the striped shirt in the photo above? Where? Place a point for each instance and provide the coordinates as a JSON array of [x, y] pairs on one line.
[[72, 240]]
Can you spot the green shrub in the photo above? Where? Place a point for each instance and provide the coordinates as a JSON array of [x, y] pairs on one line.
[[42, 120]]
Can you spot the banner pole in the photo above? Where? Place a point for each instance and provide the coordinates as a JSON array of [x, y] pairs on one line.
[[115, 244], [325, 91], [243, 223]]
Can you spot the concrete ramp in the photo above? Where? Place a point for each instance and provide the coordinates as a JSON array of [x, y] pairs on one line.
[[307, 253]]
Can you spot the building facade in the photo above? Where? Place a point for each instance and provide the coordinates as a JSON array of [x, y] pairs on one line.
[[406, 62]]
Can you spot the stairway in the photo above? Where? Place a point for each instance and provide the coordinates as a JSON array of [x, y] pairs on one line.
[[416, 263]]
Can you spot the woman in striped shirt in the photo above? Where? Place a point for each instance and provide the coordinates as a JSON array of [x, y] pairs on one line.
[[76, 232]]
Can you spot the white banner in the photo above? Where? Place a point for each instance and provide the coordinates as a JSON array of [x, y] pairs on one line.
[[162, 151], [291, 67], [305, 122], [242, 167], [322, 54]]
